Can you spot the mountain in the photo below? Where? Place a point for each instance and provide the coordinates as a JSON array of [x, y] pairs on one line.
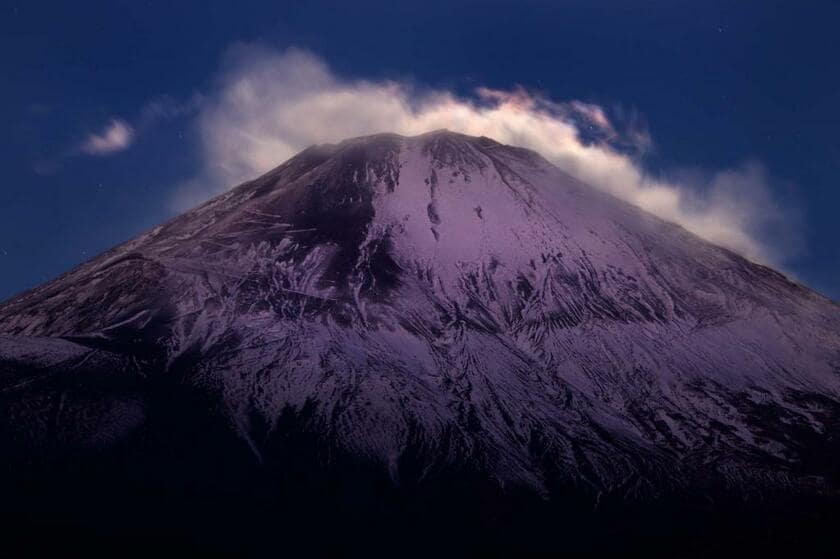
[[403, 327]]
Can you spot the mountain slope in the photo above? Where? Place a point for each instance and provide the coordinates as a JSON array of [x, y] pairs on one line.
[[441, 304]]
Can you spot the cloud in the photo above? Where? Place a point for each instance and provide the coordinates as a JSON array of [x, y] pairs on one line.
[[118, 134], [164, 108], [268, 105], [115, 137]]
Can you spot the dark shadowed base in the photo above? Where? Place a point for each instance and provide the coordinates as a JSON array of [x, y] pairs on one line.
[[184, 484], [106, 517]]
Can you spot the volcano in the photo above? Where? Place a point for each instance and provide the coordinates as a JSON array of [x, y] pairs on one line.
[[436, 335]]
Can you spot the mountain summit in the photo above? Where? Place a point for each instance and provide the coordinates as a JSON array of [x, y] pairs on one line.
[[419, 310]]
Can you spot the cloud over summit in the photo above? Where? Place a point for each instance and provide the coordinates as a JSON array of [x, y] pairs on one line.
[[270, 104]]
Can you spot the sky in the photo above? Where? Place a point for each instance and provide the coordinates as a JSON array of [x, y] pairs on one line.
[[720, 116]]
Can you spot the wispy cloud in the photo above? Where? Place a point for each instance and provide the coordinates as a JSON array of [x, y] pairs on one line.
[[165, 108], [116, 136], [268, 105]]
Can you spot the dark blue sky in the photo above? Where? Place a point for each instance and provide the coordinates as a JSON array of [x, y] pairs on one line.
[[717, 82]]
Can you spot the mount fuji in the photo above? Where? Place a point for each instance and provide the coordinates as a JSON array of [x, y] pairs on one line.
[[431, 337]]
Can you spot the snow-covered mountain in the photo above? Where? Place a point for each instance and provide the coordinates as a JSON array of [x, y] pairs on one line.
[[440, 304]]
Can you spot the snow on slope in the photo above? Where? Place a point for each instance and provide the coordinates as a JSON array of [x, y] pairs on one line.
[[462, 303]]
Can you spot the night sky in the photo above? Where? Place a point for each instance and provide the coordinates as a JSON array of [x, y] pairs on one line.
[[716, 84]]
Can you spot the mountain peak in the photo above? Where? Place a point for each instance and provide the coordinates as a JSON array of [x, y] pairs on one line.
[[442, 136]]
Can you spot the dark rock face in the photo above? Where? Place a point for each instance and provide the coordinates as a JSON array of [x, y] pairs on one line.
[[437, 339]]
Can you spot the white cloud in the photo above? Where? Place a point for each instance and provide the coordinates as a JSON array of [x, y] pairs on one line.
[[269, 105], [116, 136]]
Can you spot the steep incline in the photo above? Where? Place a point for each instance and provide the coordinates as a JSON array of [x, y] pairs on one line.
[[443, 303]]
